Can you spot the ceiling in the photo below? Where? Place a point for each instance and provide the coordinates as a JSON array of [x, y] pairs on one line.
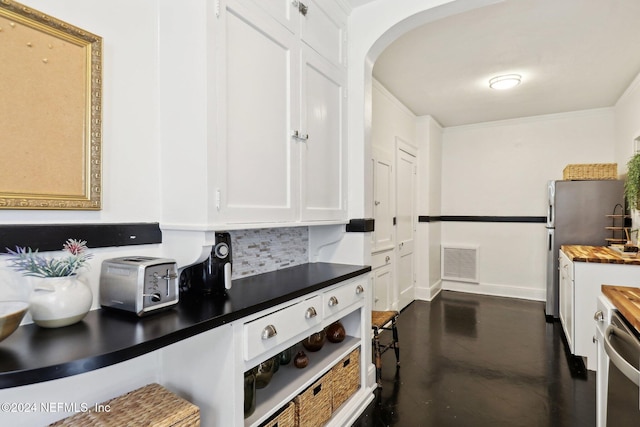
[[572, 55]]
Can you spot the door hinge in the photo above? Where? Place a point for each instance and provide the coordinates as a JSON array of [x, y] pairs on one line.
[[216, 7], [218, 200]]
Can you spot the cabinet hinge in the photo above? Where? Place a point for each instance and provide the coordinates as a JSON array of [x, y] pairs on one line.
[[218, 199], [302, 8], [216, 6]]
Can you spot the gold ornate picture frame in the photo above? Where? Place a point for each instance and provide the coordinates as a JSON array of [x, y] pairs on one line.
[[50, 112]]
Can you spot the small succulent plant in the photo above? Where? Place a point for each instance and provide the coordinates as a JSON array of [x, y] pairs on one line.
[[31, 263]]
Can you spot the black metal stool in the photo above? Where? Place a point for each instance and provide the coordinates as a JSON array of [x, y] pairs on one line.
[[379, 321]]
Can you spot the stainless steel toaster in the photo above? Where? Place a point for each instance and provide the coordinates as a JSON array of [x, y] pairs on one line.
[[139, 284]]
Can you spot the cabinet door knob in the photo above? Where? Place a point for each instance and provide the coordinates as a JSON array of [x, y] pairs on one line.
[[359, 289], [310, 313], [387, 258], [269, 332], [598, 316], [333, 301]]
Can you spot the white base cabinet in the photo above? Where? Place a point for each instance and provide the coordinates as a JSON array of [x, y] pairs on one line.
[[346, 302], [208, 369], [566, 299], [588, 277], [383, 284]]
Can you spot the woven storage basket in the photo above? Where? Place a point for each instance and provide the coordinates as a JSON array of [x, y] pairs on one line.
[[313, 406], [151, 405], [591, 171], [286, 418], [345, 378]]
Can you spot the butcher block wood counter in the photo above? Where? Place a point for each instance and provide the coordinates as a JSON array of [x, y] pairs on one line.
[[600, 254], [627, 301]]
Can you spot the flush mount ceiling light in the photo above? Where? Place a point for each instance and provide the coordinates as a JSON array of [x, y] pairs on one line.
[[505, 82]]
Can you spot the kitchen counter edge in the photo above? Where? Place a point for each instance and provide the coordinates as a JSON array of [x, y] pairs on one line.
[[597, 254], [106, 337]]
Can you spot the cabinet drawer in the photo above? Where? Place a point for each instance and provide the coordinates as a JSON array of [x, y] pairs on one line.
[[273, 329], [381, 259], [340, 298]]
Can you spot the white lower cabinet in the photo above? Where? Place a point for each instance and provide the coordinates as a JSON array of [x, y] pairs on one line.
[[289, 381], [578, 300], [566, 299], [382, 271], [269, 331]]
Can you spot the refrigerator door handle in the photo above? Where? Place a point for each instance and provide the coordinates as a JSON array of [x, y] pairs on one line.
[[551, 201]]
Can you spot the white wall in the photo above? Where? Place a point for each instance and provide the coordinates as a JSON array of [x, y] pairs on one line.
[[627, 124], [627, 129], [130, 110], [429, 234], [391, 119], [501, 169], [131, 171]]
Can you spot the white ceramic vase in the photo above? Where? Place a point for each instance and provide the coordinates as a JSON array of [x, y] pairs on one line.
[[59, 301]]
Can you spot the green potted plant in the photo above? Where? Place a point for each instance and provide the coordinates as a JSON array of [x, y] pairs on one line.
[[632, 182]]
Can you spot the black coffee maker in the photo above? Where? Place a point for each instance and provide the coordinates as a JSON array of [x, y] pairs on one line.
[[213, 276]]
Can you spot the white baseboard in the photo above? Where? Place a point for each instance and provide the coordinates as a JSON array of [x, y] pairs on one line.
[[428, 294], [496, 290]]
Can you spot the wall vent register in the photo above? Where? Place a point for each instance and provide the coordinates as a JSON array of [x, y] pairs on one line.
[[460, 263]]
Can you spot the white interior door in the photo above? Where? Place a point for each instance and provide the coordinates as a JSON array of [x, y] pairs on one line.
[[405, 221]]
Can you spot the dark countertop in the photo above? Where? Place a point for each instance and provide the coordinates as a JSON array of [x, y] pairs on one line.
[[105, 337]]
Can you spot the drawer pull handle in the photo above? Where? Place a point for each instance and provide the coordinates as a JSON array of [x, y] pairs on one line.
[[269, 332], [311, 312], [359, 289], [598, 316], [333, 301]]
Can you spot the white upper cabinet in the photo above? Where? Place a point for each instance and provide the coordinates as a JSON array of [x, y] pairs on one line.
[[323, 148], [282, 129], [255, 168], [323, 28], [286, 12]]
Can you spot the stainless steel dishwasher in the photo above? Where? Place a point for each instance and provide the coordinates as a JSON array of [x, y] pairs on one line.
[[622, 345]]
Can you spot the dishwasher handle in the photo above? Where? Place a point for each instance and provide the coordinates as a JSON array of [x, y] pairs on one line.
[[625, 367]]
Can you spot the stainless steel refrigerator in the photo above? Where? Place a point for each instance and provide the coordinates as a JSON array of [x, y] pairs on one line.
[[577, 215]]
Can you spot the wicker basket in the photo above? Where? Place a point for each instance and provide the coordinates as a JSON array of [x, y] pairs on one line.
[[151, 405], [345, 378], [591, 171], [286, 418], [313, 406]]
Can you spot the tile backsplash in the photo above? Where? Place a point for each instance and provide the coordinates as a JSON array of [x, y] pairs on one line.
[[267, 249]]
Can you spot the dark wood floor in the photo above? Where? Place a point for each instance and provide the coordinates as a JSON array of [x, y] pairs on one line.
[[472, 361]]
